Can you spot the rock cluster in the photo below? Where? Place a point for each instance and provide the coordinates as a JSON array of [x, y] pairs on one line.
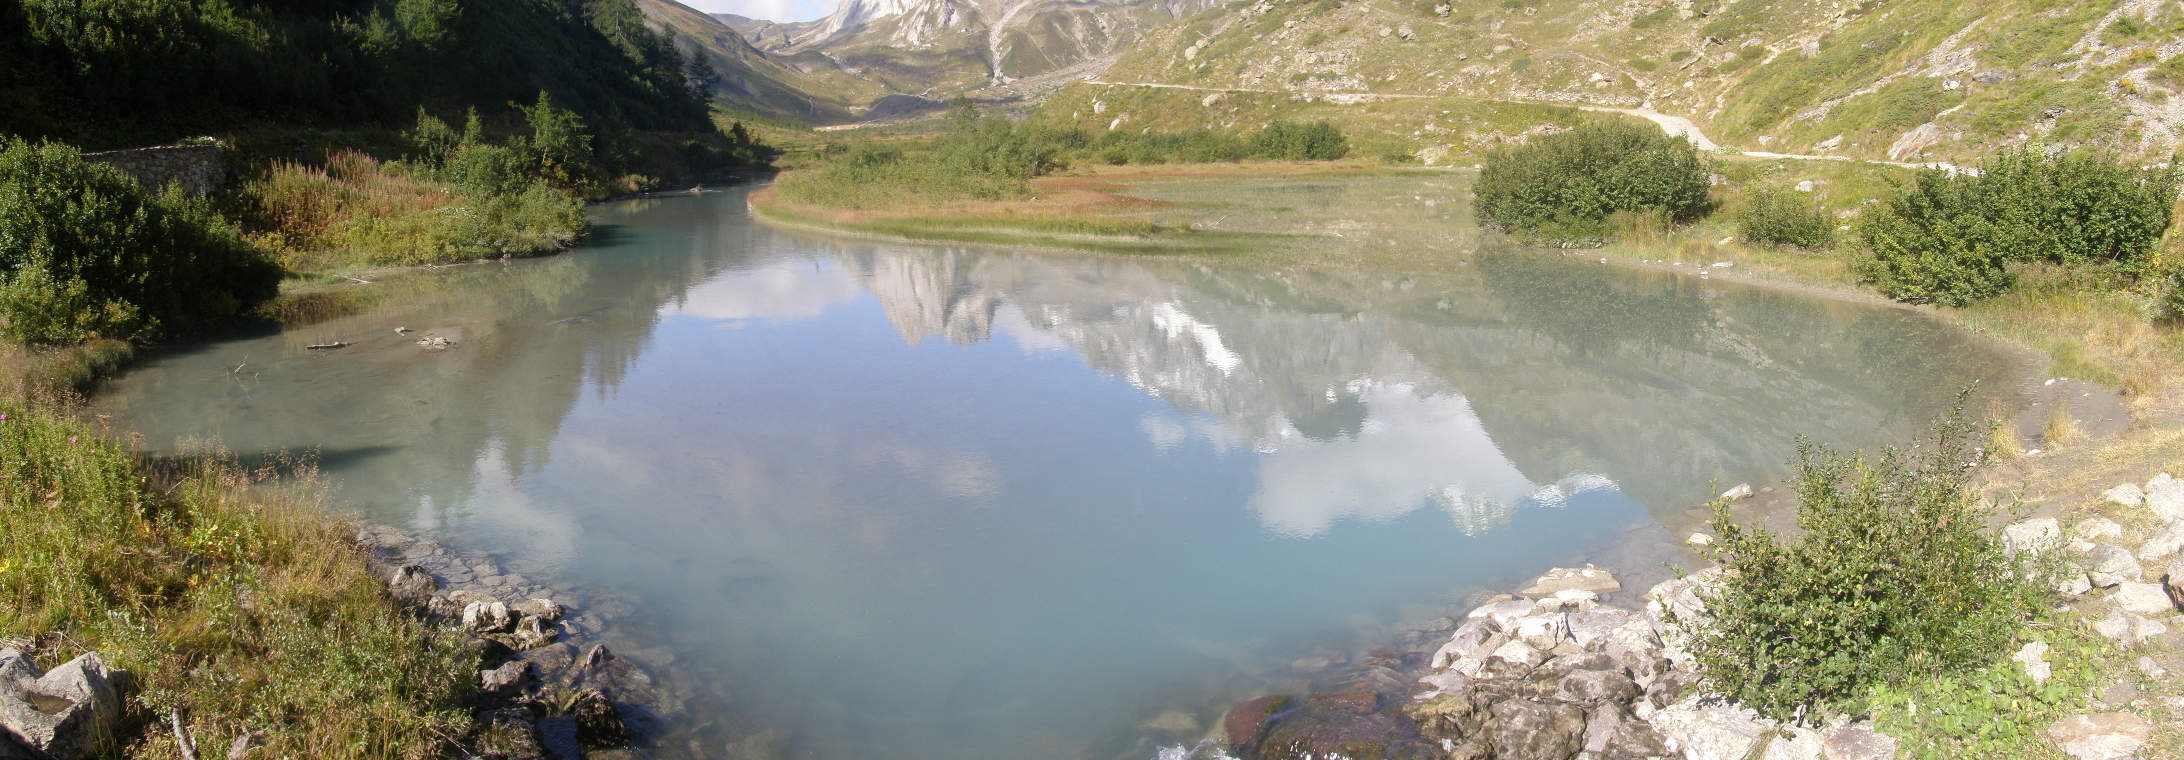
[[540, 693], [1553, 674], [58, 715]]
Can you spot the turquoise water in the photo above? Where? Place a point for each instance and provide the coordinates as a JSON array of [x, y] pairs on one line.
[[904, 501]]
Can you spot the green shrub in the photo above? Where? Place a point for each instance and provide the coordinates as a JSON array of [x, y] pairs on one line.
[[1946, 238], [2169, 306], [86, 252], [1562, 187], [1317, 141], [2077, 209], [982, 158], [1927, 248], [1777, 219], [1890, 578]]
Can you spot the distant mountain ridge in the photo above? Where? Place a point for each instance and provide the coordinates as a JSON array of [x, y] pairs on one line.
[[991, 49]]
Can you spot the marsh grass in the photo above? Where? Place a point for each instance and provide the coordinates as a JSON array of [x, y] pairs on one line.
[[228, 592]]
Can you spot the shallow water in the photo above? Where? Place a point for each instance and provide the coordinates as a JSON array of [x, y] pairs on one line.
[[903, 501]]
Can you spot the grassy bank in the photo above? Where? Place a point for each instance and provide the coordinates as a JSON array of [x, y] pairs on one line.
[[1086, 208], [228, 594]]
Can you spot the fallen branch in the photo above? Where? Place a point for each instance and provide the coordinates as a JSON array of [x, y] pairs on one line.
[[326, 346], [182, 736]]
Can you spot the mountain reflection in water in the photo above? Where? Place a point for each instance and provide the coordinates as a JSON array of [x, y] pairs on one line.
[[914, 501]]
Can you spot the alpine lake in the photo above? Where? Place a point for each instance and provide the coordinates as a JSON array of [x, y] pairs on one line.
[[862, 499]]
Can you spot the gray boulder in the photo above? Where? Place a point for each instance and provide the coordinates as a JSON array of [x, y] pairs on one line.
[[1857, 741], [1526, 730], [506, 681], [2143, 599], [412, 585], [2165, 542], [1593, 687], [2107, 565], [543, 609], [1709, 731], [67, 713], [2034, 536], [2165, 497], [487, 617], [2105, 736]]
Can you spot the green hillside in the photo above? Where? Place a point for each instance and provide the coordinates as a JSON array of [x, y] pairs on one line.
[[114, 73], [1909, 80]]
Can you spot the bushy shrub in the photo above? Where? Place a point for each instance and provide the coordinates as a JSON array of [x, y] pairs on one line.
[[1317, 141], [1891, 577], [2077, 209], [1562, 187], [1927, 246], [1777, 219], [85, 252], [1946, 238]]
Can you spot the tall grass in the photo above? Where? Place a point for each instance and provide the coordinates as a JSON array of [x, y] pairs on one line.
[[357, 210], [231, 596]]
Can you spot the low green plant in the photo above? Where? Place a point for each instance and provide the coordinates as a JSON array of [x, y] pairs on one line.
[[1564, 186], [1891, 580], [1778, 219], [85, 252], [1997, 710]]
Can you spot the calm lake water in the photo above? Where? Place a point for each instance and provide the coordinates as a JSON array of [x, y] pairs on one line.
[[923, 502]]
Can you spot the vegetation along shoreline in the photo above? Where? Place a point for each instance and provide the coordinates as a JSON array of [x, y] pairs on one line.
[[2009, 584]]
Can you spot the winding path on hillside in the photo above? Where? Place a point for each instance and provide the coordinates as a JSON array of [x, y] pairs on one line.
[[1675, 126]]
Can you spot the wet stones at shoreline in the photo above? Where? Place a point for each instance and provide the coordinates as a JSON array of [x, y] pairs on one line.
[[548, 686], [1552, 674]]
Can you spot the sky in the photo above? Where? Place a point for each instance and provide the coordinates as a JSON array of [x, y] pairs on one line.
[[777, 10]]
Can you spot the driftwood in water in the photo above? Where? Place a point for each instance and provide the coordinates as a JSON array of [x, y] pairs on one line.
[[326, 346]]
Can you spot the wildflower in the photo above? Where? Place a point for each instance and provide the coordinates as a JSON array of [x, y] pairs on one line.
[[72, 440]]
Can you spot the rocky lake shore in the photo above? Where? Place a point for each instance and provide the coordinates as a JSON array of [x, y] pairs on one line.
[[1574, 666]]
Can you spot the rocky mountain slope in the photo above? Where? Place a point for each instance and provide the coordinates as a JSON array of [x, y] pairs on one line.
[[993, 49], [1905, 80], [748, 80]]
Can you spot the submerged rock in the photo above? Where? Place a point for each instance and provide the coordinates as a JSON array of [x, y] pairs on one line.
[[599, 723], [1247, 720]]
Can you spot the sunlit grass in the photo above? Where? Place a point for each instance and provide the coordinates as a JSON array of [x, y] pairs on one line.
[[231, 595]]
